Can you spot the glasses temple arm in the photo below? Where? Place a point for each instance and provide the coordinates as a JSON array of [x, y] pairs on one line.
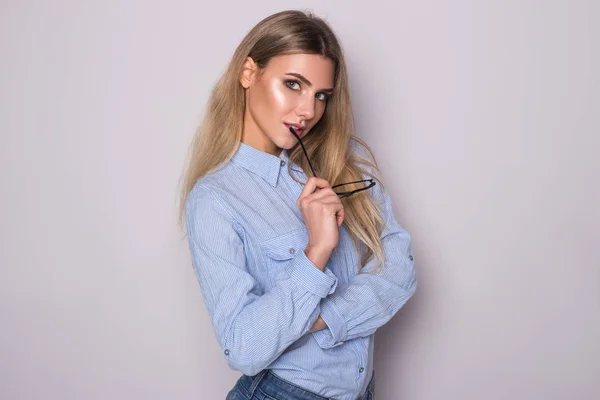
[[304, 150]]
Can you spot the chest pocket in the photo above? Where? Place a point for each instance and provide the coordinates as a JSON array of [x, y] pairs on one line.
[[281, 250]]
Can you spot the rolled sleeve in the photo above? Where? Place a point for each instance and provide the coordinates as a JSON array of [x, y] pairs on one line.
[[253, 327], [336, 331], [305, 273], [371, 298]]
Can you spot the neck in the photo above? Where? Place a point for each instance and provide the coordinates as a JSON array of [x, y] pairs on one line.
[[253, 136]]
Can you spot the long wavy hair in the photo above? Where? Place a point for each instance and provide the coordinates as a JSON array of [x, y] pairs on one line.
[[330, 144]]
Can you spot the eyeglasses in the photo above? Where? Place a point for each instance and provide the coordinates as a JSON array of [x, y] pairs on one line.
[[364, 184]]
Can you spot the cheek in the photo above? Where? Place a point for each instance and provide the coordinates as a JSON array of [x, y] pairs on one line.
[[319, 109], [269, 99], [280, 98], [258, 102]]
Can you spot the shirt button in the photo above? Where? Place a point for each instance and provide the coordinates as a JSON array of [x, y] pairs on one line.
[[282, 163], [226, 352], [411, 258], [292, 250], [361, 370]]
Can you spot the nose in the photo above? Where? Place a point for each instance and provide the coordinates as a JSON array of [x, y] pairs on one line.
[[306, 107]]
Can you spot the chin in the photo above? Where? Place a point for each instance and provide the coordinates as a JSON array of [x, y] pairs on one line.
[[286, 143]]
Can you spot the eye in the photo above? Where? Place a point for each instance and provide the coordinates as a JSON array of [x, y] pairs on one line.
[[322, 96], [294, 85]]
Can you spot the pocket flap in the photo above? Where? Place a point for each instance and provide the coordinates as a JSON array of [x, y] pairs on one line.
[[285, 247]]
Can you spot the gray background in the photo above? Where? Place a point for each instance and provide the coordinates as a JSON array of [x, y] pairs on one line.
[[484, 119]]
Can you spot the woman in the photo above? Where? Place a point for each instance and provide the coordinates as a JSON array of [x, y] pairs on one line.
[[297, 271]]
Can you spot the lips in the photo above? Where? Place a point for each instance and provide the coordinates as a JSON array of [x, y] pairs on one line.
[[297, 128]]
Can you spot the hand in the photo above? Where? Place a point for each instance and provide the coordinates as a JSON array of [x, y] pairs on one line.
[[318, 325], [323, 214]]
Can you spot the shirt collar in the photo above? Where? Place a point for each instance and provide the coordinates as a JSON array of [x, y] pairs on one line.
[[284, 157], [263, 164]]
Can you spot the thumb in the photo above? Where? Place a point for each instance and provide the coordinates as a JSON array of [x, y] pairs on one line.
[[340, 217]]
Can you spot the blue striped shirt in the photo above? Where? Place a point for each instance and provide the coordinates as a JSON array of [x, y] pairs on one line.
[[247, 238]]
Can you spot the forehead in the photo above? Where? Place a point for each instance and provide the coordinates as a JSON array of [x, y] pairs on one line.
[[316, 68]]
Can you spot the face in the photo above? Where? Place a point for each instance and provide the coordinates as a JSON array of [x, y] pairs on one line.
[[291, 90]]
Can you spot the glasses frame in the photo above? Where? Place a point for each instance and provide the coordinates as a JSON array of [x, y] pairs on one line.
[[371, 182]]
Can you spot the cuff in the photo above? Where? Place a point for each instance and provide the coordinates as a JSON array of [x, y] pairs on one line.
[[303, 271], [336, 332]]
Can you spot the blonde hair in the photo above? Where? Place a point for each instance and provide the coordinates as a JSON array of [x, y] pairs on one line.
[[328, 144]]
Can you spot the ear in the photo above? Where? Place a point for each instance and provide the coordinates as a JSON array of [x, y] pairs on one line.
[[248, 74]]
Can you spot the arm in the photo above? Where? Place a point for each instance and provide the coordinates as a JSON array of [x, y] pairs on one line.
[[318, 325], [252, 328], [368, 301]]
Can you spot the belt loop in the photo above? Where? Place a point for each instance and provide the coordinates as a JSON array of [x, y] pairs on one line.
[[256, 380]]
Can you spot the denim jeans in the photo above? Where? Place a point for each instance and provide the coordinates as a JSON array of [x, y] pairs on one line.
[[267, 386]]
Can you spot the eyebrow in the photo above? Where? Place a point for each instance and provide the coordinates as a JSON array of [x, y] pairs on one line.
[[306, 81]]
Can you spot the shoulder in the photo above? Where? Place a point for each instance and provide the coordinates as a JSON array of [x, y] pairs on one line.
[[207, 197]]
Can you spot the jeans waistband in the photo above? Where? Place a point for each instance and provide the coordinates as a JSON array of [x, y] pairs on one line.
[[275, 385]]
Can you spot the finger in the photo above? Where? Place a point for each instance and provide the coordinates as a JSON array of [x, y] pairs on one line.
[[337, 208], [313, 184], [321, 183], [321, 194], [340, 217], [332, 207], [309, 187], [331, 200]]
